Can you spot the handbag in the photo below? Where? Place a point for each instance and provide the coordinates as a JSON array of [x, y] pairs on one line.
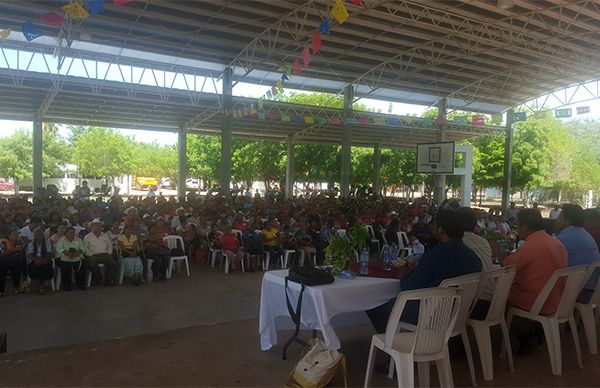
[[310, 276], [317, 366]]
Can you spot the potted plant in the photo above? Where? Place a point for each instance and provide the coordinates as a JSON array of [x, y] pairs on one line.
[[337, 253], [359, 236]]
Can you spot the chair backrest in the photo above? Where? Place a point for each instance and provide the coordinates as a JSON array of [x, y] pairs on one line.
[[572, 279], [469, 284], [238, 233], [382, 232], [594, 271], [437, 315], [403, 240], [172, 241], [341, 233], [502, 279], [371, 231]]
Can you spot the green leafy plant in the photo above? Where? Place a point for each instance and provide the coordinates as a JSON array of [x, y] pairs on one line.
[[337, 253], [359, 236]]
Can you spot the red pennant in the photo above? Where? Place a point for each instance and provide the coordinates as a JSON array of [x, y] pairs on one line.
[[53, 19], [306, 57], [296, 67], [316, 42], [334, 120], [364, 120], [441, 121], [356, 2], [119, 3], [273, 116]]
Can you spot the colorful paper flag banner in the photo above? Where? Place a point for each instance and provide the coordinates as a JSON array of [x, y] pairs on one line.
[[478, 120], [321, 120], [95, 7], [460, 119], [583, 109], [306, 57], [75, 10], [119, 3], [296, 67], [31, 31], [297, 119], [309, 120], [339, 11], [334, 121], [262, 115], [324, 27], [284, 78], [356, 2], [279, 85], [427, 121], [53, 18], [316, 42], [393, 121], [4, 34], [286, 118], [441, 121], [519, 116], [273, 116], [408, 120], [562, 113]]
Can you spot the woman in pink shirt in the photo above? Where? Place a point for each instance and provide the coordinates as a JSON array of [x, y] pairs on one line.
[[230, 244]]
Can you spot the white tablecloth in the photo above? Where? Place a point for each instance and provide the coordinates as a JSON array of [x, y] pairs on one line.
[[319, 304]]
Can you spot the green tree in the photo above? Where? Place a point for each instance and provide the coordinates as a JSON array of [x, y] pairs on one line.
[[16, 157], [103, 152], [155, 160], [258, 160], [317, 163], [362, 165], [204, 156]]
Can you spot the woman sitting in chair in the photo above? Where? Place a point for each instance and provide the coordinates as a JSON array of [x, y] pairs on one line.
[[230, 244], [11, 260], [157, 249], [130, 256], [39, 257]]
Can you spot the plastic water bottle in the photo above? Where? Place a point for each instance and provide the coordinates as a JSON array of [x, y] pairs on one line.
[[364, 262], [387, 258], [418, 250]]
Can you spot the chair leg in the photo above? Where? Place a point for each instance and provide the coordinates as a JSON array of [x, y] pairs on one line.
[[575, 334], [170, 269], [465, 339], [484, 344], [586, 313], [225, 262], [423, 370], [552, 334], [187, 267], [506, 344], [445, 371], [370, 365], [405, 368]]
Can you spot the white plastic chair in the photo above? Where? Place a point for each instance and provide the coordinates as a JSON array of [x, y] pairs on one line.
[[429, 342], [213, 252], [502, 279], [312, 257], [586, 310], [341, 233], [88, 278], [285, 259], [574, 278], [373, 238], [172, 242], [468, 283], [404, 243]]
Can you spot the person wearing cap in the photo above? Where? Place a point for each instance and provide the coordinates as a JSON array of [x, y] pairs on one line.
[[176, 221], [98, 249]]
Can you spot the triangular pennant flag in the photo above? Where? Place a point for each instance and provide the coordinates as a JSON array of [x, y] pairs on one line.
[[441, 121], [262, 115], [309, 120], [379, 120], [119, 3], [261, 104], [53, 18], [286, 118], [273, 116], [4, 34], [289, 71], [269, 94], [478, 120], [339, 11], [297, 119], [427, 121], [364, 120], [350, 120], [95, 7], [356, 2], [30, 30], [75, 10], [324, 27], [460, 119], [408, 120], [296, 67], [306, 57], [246, 110], [393, 121], [321, 120], [284, 77], [274, 90], [316, 42], [279, 85], [334, 120]]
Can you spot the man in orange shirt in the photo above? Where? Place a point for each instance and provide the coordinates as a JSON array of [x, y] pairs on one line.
[[536, 260]]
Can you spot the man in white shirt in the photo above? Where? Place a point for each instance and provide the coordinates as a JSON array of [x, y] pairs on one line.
[[175, 221], [554, 213], [98, 250], [26, 233]]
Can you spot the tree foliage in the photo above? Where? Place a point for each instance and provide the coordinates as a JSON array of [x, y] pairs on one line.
[[103, 152]]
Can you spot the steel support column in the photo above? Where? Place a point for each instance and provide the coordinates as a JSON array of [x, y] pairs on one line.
[[346, 143], [37, 155], [377, 169], [226, 142], [508, 151], [181, 163], [440, 191], [290, 170]]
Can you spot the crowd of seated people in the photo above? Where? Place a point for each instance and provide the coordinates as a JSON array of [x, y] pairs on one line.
[[76, 235]]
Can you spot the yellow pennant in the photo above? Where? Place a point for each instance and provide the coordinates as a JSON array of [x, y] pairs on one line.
[[309, 120], [4, 34], [339, 11], [75, 10], [280, 86]]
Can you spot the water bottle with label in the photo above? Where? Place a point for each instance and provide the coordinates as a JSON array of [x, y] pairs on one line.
[[387, 258], [364, 262]]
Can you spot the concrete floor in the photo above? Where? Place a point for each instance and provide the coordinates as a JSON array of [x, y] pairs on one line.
[[198, 331]]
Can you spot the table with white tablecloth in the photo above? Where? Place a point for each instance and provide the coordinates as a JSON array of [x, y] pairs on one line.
[[320, 304]]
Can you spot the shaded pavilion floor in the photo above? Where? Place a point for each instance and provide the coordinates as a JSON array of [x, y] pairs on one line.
[[201, 331]]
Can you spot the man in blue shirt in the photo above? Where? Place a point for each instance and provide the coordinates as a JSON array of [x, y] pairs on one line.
[[449, 259], [580, 244]]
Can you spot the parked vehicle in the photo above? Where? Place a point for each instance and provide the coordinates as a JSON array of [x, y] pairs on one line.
[[6, 186], [144, 183]]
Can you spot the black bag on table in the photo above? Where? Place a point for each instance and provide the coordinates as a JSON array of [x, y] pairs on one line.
[[310, 276]]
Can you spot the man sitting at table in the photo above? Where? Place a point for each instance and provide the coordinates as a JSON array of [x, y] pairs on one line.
[[449, 259]]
